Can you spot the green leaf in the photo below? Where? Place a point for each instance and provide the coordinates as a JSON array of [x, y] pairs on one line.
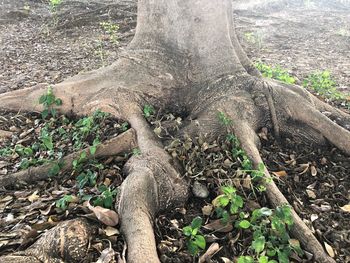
[[244, 224], [263, 259], [259, 244], [245, 259], [200, 241], [42, 99], [192, 248], [45, 113], [196, 222], [187, 230], [54, 170], [93, 150], [283, 256], [58, 102], [228, 190], [223, 201]]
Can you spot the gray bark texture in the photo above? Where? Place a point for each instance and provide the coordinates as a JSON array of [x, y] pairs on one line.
[[185, 56]]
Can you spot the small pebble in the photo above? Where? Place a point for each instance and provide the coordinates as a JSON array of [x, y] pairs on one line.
[[200, 190]]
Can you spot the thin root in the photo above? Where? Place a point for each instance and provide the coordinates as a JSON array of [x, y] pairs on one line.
[[245, 134]]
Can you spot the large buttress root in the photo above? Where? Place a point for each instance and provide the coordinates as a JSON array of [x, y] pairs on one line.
[[296, 104], [246, 136], [153, 184]]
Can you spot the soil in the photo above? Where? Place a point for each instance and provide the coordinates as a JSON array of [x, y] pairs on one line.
[[39, 46]]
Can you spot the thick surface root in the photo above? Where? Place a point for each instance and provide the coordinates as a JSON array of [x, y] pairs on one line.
[[120, 144], [152, 185], [66, 242]]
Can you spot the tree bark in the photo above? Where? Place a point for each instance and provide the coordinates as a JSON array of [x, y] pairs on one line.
[[185, 56]]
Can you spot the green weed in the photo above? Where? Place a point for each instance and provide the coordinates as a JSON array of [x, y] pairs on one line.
[[148, 111], [111, 29], [275, 72], [49, 100], [194, 240], [323, 84]]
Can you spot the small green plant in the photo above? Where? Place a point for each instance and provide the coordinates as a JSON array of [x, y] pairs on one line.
[[227, 203], [46, 139], [6, 151], [148, 111], [323, 84], [224, 119], [49, 100], [54, 4], [136, 151], [271, 238], [275, 72], [195, 241], [111, 29], [125, 126], [63, 202], [106, 198]]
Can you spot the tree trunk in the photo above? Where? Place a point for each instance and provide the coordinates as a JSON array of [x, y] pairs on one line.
[[185, 56]]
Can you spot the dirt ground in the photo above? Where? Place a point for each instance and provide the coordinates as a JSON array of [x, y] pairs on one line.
[[41, 46]]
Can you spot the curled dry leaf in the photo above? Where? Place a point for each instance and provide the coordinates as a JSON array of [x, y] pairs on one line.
[[111, 231], [280, 173], [209, 253], [311, 194], [346, 208], [329, 250], [207, 209], [226, 260], [106, 216], [313, 170], [217, 225], [107, 256], [33, 197]]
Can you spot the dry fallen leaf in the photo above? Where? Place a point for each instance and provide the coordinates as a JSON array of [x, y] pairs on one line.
[[280, 173], [226, 260], [311, 194], [209, 253], [107, 256], [111, 231], [106, 216], [207, 209], [33, 197], [216, 225], [346, 208], [329, 250], [313, 170]]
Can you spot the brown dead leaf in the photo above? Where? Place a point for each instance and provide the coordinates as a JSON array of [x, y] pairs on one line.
[[111, 231], [226, 260], [346, 208], [280, 173], [106, 216], [207, 209], [107, 256], [33, 197], [303, 168], [313, 170], [329, 250], [217, 225], [311, 194], [209, 253]]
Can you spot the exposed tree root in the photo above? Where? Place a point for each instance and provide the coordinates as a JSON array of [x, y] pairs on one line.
[[245, 134], [152, 185], [125, 142], [204, 73], [66, 242]]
